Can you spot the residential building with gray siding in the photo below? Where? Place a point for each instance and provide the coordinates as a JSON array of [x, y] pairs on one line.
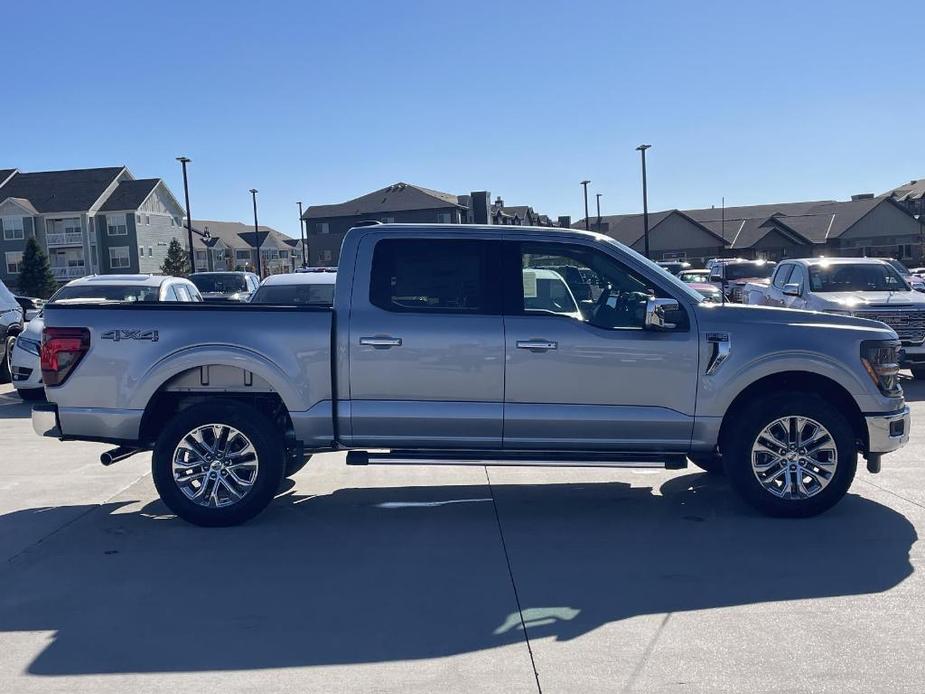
[[89, 221]]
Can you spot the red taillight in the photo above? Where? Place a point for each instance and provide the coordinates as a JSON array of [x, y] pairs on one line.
[[62, 350]]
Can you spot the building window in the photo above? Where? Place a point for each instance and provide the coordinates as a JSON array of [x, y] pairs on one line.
[[150, 251], [141, 252], [14, 262], [147, 219], [324, 228], [13, 229], [242, 255], [284, 255], [115, 225], [443, 218], [118, 257], [137, 219]]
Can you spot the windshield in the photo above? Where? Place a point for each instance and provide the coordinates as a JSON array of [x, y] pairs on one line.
[[695, 276], [741, 271], [122, 292], [220, 283], [899, 267], [856, 278], [296, 294]]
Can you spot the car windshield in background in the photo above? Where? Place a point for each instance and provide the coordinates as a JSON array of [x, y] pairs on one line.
[[220, 283], [296, 294], [121, 292], [747, 270], [703, 276], [855, 278]]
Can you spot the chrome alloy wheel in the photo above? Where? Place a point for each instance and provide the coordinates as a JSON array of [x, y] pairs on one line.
[[215, 465], [794, 457]]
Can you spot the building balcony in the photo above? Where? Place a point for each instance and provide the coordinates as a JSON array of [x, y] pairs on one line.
[[64, 238], [69, 273]]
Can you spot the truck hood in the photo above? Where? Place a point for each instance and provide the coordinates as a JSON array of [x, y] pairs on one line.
[[855, 300], [738, 316]]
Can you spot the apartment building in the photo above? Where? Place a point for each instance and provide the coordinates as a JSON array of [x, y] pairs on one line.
[[101, 220], [221, 245]]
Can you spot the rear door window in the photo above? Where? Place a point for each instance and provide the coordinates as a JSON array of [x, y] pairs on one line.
[[436, 276]]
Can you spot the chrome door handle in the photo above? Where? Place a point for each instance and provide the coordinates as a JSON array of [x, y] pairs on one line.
[[381, 342], [537, 345]]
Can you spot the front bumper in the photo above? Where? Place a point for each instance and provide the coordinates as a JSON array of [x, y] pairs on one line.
[[888, 432], [45, 420]]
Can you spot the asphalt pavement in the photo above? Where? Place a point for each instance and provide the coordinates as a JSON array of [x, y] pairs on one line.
[[450, 579]]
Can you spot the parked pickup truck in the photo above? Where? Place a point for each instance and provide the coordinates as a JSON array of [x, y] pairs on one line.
[[436, 350], [862, 287]]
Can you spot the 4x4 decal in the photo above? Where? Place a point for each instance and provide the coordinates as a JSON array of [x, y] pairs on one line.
[[119, 335]]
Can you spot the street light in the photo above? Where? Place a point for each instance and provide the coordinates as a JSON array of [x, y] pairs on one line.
[[598, 196], [587, 221], [189, 220], [303, 237], [256, 233], [645, 199]]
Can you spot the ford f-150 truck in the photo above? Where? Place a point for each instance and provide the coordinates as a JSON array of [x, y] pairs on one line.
[[441, 347]]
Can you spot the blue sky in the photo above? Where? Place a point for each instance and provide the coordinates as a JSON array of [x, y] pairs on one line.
[[323, 101]]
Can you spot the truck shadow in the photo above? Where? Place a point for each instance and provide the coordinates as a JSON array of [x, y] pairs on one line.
[[399, 573]]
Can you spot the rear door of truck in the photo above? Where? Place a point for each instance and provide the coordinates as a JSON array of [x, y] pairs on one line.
[[426, 341]]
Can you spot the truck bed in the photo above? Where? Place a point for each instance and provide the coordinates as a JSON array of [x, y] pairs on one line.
[[139, 350]]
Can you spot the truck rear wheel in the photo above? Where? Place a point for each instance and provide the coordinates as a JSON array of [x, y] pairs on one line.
[[218, 464], [792, 455]]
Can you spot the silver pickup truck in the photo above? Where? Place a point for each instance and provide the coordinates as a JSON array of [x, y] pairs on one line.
[[460, 345]]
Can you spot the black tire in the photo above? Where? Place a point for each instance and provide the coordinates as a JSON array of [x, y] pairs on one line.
[[5, 375], [918, 372], [293, 465], [267, 440], [752, 421], [708, 462], [32, 394]]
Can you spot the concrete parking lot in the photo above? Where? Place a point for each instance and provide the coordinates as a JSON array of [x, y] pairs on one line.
[[454, 579]]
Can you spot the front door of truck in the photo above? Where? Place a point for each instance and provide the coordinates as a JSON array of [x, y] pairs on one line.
[[582, 372], [426, 344]]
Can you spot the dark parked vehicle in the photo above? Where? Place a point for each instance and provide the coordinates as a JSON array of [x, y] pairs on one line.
[[674, 266], [225, 286], [30, 306], [10, 326]]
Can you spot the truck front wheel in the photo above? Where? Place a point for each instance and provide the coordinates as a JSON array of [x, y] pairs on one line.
[[218, 463], [792, 455]]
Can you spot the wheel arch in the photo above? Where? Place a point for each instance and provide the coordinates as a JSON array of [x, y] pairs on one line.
[[797, 381]]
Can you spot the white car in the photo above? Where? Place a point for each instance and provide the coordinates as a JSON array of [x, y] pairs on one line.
[[860, 287], [297, 288], [25, 368]]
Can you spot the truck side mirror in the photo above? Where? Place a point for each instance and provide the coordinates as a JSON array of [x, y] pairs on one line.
[[655, 313], [791, 289]]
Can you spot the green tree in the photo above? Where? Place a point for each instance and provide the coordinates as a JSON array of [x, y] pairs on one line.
[[35, 276], [177, 261]]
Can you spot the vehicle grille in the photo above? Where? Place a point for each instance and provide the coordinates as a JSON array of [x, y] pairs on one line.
[[909, 325]]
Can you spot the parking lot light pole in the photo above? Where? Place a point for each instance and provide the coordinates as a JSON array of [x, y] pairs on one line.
[[645, 199], [587, 221], [256, 232], [303, 236], [598, 196], [189, 220]]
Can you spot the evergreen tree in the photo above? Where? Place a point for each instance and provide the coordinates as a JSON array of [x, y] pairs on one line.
[[35, 276], [177, 261]]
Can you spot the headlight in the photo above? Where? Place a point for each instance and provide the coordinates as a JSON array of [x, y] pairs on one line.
[[30, 346], [881, 361]]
